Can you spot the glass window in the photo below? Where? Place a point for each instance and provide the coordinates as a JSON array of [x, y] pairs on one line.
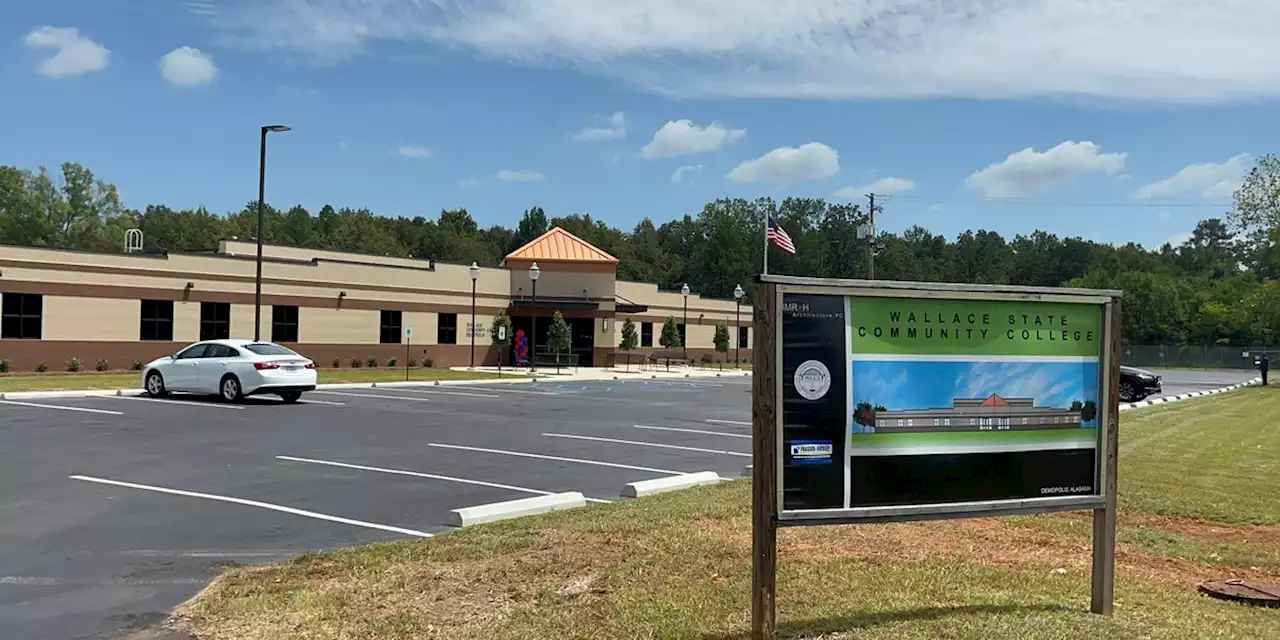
[[742, 337], [193, 352], [447, 329], [215, 320], [22, 316], [680, 330], [946, 422], [284, 324], [266, 349], [389, 328], [646, 334], [157, 320], [899, 422], [221, 351]]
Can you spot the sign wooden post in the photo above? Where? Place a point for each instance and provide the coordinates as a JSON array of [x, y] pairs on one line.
[[905, 401], [764, 479]]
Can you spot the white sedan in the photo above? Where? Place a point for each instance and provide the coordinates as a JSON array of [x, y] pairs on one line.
[[231, 369]]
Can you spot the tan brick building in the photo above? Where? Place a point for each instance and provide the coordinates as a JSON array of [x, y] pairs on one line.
[[60, 304]]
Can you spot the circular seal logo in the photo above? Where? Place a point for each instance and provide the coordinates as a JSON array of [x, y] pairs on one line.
[[813, 380]]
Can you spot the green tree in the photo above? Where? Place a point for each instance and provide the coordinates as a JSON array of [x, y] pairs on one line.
[[629, 337], [1088, 411], [670, 337], [721, 338], [559, 338], [1257, 201]]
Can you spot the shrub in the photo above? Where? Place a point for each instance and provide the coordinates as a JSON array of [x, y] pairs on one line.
[[392, 363], [336, 363], [413, 362], [5, 365], [706, 358], [74, 365], [356, 364], [428, 363], [372, 362], [136, 366], [102, 365], [42, 367]]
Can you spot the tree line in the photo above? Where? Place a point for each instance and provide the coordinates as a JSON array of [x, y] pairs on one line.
[[1218, 287]]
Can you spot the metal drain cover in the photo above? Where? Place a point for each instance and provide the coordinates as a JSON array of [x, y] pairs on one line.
[[1246, 591]]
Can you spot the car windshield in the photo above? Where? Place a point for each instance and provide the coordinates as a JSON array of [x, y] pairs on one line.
[[266, 349]]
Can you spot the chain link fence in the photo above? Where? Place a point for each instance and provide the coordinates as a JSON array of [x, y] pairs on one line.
[[1200, 357]]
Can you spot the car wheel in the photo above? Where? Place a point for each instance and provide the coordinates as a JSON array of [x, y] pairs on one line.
[[1127, 392], [155, 385], [290, 397], [229, 389]]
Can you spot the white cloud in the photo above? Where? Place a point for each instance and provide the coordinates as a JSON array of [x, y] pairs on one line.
[[1178, 238], [1209, 180], [413, 152], [73, 54], [469, 183], [617, 129], [812, 161], [683, 137], [520, 176], [1124, 177], [187, 66], [885, 186], [1155, 50], [681, 176], [1027, 171], [935, 207], [203, 8], [1165, 215]]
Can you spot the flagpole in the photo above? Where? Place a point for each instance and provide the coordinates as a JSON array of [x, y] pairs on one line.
[[766, 243]]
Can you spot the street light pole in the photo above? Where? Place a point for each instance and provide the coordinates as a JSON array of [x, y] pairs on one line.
[[262, 192], [737, 325], [684, 339], [475, 275], [534, 272]]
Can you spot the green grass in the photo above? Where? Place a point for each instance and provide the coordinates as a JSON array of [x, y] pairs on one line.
[[678, 565], [11, 383]]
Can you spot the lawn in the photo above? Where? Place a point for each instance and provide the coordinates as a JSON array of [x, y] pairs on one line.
[[1198, 503], [10, 383]]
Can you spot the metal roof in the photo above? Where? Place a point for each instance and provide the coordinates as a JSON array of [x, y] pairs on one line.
[[558, 245]]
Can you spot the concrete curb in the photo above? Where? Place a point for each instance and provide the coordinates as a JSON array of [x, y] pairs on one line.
[[746, 471], [493, 512], [670, 483], [1129, 406]]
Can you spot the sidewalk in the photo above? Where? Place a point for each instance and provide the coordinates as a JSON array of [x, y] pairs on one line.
[[584, 374]]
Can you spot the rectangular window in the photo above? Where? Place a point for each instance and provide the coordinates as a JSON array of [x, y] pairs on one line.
[[680, 330], [215, 320], [646, 334], [742, 337], [389, 328], [284, 323], [946, 422], [447, 329], [899, 422], [22, 316], [973, 421], [157, 320]]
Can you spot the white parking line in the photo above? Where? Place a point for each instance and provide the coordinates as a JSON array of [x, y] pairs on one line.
[[185, 403], [255, 503], [539, 456], [701, 431], [331, 404], [374, 396], [503, 390], [442, 393], [54, 406], [646, 444], [432, 476], [734, 422]]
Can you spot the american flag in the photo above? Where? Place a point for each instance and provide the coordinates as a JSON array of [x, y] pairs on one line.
[[779, 237]]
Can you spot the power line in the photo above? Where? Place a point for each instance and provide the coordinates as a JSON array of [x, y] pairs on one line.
[[1027, 202]]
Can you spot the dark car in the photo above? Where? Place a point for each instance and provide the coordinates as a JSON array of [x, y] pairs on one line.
[[1136, 384]]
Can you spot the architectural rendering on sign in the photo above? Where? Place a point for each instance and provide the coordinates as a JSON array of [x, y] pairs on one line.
[[992, 413]]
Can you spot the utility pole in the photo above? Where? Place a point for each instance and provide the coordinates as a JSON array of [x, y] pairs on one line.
[[871, 248]]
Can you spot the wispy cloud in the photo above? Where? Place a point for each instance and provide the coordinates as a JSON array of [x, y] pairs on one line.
[[1208, 180], [412, 152], [1149, 50], [469, 183], [883, 186], [615, 129], [519, 176], [73, 54], [684, 175]]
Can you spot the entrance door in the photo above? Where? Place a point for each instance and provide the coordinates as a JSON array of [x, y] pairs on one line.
[[584, 340]]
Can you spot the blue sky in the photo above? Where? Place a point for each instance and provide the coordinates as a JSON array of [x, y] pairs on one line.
[[1115, 120], [928, 385]]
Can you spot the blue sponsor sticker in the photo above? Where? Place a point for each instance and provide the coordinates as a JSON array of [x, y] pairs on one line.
[[811, 452]]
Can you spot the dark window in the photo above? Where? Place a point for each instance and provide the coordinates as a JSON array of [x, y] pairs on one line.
[[21, 316], [284, 324], [215, 320], [389, 332], [192, 352], [221, 351], [447, 329], [157, 320], [646, 334], [264, 349], [680, 330], [742, 337]]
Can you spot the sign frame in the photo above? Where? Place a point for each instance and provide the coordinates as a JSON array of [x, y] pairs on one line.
[[767, 429]]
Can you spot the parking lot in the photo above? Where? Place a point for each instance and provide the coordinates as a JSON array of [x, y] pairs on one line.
[[115, 509]]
